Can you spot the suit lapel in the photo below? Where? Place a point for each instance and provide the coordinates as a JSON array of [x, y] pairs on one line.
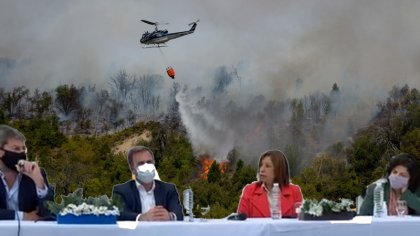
[[3, 197], [286, 196], [159, 193], [136, 196], [21, 195], [260, 203], [27, 190]]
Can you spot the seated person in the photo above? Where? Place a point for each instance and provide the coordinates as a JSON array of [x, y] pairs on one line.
[[23, 185], [273, 167], [401, 184], [146, 198]]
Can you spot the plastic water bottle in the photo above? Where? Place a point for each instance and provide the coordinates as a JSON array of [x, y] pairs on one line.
[[275, 202], [378, 200], [385, 207], [189, 203]]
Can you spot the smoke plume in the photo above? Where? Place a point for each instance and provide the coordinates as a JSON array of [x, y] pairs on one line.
[[271, 52]]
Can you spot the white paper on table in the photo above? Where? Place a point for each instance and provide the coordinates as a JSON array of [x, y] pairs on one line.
[[127, 224], [355, 220]]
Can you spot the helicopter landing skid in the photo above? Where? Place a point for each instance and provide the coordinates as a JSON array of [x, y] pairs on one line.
[[154, 46]]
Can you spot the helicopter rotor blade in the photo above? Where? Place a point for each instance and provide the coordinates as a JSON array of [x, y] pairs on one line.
[[155, 23], [149, 22]]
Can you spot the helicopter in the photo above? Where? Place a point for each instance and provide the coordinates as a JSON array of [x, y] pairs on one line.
[[158, 38]]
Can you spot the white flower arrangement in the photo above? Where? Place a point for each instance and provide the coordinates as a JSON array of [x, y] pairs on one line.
[[318, 208], [75, 204], [87, 209]]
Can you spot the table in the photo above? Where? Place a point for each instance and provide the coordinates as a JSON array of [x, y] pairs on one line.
[[359, 226]]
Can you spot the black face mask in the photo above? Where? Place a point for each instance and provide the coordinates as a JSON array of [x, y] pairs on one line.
[[10, 159]]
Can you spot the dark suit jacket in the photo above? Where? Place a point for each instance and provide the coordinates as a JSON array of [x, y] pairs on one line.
[[166, 195], [27, 197]]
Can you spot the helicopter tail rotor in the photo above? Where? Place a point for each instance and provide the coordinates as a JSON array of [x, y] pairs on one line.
[[194, 24]]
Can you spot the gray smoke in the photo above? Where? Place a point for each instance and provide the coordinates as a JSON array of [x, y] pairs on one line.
[[282, 49]]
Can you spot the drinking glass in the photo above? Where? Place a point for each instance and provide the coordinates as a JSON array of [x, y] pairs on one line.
[[204, 211], [297, 209], [401, 208]]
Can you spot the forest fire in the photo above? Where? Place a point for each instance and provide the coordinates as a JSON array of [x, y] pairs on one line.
[[206, 161]]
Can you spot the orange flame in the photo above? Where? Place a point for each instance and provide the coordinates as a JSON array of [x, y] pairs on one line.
[[206, 162]]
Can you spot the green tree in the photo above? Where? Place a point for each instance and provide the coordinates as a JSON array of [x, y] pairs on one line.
[[121, 84], [214, 175], [335, 88], [365, 157], [232, 158], [88, 163], [297, 112], [243, 176], [216, 195], [42, 134], [68, 99], [239, 165], [13, 101], [411, 144], [74, 165], [3, 119], [329, 178], [40, 103], [294, 156]]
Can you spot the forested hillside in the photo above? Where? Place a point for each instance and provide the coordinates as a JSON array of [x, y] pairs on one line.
[[73, 132]]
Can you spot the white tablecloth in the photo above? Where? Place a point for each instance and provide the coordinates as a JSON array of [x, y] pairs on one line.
[[359, 226]]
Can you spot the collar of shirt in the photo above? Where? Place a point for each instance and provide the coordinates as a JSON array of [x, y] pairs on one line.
[[268, 192], [265, 188], [140, 187]]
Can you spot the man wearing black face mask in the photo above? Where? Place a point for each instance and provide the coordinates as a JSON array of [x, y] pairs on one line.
[[146, 198], [23, 185]]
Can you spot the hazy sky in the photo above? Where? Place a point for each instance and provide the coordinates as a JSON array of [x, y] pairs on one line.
[[355, 43], [366, 46]]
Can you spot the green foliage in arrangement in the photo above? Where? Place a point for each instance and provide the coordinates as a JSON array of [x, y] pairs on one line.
[[75, 203]]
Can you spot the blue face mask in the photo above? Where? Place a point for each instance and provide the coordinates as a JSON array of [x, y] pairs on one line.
[[146, 173], [11, 159]]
